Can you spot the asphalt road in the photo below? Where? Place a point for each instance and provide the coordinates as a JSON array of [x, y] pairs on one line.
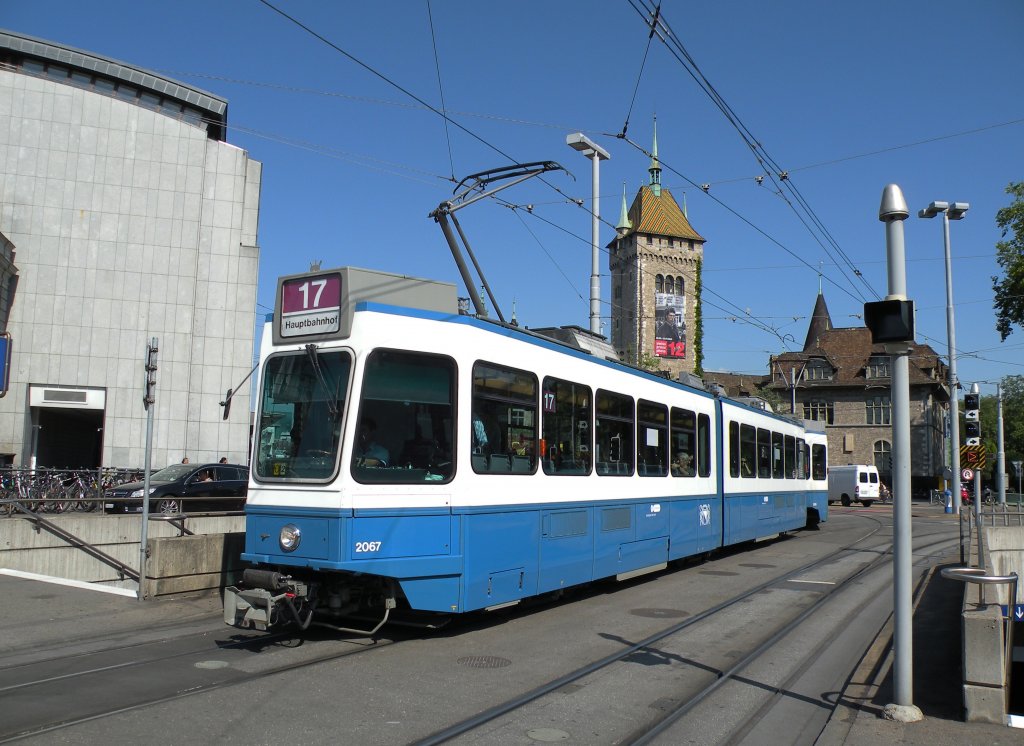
[[176, 674]]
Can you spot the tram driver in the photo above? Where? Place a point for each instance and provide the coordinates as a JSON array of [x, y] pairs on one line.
[[368, 451]]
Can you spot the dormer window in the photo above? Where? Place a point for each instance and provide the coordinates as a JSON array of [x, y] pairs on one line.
[[818, 370], [878, 367]]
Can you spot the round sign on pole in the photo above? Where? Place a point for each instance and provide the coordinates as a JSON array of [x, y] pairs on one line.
[[967, 474]]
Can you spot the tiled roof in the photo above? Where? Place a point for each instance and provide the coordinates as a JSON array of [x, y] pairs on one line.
[[660, 216], [848, 351], [821, 322]]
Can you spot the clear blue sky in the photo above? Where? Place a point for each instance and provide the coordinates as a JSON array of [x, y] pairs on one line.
[[847, 97]]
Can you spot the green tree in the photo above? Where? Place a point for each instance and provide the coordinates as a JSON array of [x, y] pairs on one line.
[[1013, 429], [773, 397], [1009, 290]]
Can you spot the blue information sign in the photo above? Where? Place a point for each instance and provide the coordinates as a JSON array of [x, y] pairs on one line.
[[1018, 612], [5, 362]]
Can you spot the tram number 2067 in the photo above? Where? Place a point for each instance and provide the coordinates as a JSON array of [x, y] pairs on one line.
[[367, 546]]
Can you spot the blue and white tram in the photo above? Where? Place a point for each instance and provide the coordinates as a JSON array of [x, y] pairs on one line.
[[407, 455]]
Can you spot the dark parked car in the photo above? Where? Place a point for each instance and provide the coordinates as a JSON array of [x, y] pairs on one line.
[[184, 488]]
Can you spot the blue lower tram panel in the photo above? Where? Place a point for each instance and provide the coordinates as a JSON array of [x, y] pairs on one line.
[[483, 557]]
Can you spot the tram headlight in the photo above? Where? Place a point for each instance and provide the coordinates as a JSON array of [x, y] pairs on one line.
[[290, 537]]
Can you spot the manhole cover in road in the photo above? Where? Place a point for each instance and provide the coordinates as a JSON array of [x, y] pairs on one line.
[[660, 613], [484, 661]]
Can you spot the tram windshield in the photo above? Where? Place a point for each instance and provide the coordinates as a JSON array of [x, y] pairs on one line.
[[301, 410]]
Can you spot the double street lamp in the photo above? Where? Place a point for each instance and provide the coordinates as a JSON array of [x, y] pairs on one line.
[[950, 211], [596, 154]]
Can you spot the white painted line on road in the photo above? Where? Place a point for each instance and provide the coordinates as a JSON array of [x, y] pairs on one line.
[[817, 582], [71, 583]]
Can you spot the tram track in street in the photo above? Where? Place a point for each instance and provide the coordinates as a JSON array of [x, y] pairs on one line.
[[43, 681], [154, 675], [676, 707]]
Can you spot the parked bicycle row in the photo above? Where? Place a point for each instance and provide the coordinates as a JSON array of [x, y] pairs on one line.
[[60, 490], [174, 489]]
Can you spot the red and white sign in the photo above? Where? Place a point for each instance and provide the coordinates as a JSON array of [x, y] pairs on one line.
[[967, 474], [311, 305]]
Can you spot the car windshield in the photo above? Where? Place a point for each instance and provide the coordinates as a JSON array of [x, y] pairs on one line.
[[301, 411], [171, 473]]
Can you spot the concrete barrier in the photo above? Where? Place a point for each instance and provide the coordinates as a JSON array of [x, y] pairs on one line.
[[986, 676], [176, 564]]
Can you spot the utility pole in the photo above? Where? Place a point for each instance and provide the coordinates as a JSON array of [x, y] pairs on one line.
[[149, 403], [891, 322], [1000, 453]]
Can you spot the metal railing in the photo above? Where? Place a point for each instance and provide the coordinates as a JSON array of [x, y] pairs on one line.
[[982, 578]]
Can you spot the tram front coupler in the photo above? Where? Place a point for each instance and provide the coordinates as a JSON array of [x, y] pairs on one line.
[[269, 599]]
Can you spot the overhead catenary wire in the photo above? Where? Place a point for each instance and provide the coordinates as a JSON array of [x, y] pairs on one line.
[[440, 88], [654, 18], [405, 91]]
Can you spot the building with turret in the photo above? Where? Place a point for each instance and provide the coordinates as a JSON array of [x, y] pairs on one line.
[[655, 263], [844, 381]]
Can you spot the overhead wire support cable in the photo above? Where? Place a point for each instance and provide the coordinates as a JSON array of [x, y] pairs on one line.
[[742, 218], [778, 175], [640, 75], [440, 88]]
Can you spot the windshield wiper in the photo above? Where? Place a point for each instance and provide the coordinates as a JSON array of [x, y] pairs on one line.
[[314, 359]]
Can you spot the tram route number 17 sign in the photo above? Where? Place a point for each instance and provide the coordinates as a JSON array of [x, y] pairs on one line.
[[310, 305]]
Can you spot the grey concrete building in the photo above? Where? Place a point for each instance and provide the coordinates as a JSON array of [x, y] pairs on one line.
[[655, 262], [125, 215]]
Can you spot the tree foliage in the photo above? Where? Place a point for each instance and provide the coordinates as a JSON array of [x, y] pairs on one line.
[[1013, 428], [1009, 290]]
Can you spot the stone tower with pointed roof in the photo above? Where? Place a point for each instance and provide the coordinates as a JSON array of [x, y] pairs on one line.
[[654, 261]]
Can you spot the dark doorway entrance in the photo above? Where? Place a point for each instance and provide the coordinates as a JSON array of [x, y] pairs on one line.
[[69, 438]]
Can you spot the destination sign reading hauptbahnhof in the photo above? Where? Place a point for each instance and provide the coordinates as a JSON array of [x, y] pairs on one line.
[[311, 305]]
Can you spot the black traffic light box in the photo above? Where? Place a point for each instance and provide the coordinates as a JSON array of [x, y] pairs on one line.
[[972, 429], [971, 401], [890, 320]]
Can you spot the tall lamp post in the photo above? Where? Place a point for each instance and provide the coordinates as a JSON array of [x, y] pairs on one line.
[[593, 151], [954, 211]]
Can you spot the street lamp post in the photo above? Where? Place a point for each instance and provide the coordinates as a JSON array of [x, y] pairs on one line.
[[954, 211], [596, 154]]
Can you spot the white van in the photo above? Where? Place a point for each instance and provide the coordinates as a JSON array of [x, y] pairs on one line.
[[853, 483]]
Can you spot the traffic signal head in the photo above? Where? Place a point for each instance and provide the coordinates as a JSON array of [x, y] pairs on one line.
[[890, 320], [971, 401], [972, 429]]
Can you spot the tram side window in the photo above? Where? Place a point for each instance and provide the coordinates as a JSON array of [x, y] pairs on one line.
[[789, 452], [504, 420], [748, 450], [778, 463], [764, 454], [684, 443], [566, 426], [404, 431], [802, 454], [704, 445], [302, 407], [613, 434], [651, 439], [819, 459], [734, 449]]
